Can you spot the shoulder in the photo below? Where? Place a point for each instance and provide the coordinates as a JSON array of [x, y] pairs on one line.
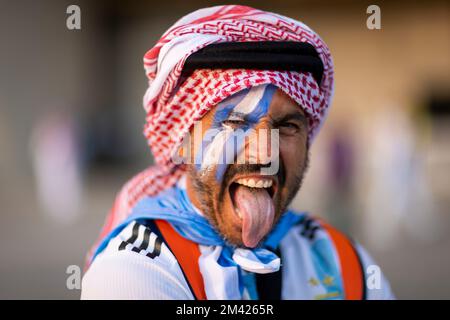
[[136, 264], [318, 247], [308, 229]]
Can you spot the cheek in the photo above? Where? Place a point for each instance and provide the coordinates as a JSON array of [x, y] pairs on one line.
[[292, 153], [209, 154], [218, 149]]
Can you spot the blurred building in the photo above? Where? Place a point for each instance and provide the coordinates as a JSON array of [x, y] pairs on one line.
[[392, 97]]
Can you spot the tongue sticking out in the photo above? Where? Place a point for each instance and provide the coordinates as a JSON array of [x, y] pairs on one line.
[[257, 210]]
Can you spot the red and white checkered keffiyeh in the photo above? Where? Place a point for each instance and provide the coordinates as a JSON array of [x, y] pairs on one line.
[[172, 108]]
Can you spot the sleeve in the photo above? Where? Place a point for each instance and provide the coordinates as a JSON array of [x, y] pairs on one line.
[[135, 266], [377, 286]]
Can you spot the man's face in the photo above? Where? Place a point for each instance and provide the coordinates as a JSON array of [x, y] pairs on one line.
[[249, 156]]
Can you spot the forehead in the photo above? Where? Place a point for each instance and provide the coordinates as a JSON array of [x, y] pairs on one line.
[[254, 104]]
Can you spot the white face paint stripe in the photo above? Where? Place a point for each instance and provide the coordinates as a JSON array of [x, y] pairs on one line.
[[214, 150], [251, 100]]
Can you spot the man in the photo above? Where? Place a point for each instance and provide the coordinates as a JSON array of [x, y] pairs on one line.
[[235, 98]]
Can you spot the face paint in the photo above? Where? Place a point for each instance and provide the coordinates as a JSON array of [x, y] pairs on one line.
[[222, 144], [241, 203]]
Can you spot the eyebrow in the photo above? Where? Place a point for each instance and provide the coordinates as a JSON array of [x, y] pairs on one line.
[[291, 116]]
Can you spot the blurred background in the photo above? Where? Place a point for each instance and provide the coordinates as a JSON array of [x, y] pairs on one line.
[[71, 119]]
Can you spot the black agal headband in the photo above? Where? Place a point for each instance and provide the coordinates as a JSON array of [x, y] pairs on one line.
[[259, 55]]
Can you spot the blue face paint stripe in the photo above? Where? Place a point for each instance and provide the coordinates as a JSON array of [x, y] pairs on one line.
[[235, 143], [263, 105], [226, 106]]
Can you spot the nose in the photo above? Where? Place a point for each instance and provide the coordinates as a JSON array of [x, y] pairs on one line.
[[262, 144]]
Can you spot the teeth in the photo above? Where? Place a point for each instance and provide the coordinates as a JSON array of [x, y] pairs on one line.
[[258, 183], [238, 213]]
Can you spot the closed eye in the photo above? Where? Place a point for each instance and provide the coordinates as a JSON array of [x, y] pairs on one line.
[[233, 123]]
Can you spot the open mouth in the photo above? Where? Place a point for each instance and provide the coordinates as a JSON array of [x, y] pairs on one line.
[[252, 198]]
